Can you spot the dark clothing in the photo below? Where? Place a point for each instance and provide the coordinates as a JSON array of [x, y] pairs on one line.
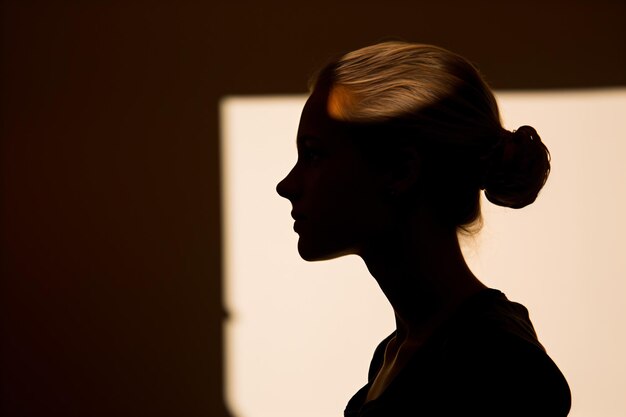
[[484, 361]]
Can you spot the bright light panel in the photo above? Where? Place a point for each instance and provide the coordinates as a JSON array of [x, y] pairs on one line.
[[301, 335]]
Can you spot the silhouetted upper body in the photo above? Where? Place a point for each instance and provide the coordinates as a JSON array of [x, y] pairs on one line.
[[484, 361], [395, 144]]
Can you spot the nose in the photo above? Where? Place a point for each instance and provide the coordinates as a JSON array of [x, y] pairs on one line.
[[287, 188]]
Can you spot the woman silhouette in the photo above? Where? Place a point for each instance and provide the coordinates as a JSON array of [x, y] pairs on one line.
[[395, 143]]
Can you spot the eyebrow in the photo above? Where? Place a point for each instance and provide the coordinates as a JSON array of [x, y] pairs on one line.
[[307, 138]]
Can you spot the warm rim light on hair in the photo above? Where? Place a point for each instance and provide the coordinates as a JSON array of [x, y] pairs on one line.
[[444, 106]]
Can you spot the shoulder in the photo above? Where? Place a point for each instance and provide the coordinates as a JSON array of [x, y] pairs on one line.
[[492, 359], [500, 371]]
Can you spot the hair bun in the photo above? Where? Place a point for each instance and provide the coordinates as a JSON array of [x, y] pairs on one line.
[[517, 169]]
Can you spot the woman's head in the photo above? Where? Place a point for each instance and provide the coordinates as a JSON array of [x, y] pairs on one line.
[[438, 101], [392, 97]]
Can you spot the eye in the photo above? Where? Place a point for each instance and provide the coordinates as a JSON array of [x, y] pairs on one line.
[[311, 154], [310, 150]]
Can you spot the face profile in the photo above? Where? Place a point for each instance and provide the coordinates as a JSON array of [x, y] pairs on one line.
[[333, 189], [396, 143]]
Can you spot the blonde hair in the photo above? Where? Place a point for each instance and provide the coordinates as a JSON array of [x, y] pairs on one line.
[[445, 107]]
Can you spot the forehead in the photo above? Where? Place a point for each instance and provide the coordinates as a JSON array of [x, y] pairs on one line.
[[315, 121]]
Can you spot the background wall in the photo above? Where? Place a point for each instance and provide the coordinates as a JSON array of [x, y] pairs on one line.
[[110, 272], [300, 335]]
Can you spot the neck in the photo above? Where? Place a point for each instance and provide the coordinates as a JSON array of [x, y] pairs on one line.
[[422, 272]]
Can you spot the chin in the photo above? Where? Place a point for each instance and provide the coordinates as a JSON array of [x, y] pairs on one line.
[[312, 253]]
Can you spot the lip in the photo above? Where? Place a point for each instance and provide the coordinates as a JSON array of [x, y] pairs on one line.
[[296, 225], [297, 216]]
